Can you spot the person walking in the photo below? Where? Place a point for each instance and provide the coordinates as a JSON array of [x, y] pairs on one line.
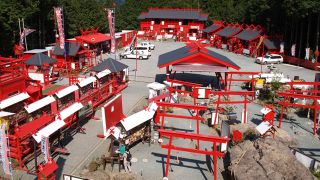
[[127, 161]]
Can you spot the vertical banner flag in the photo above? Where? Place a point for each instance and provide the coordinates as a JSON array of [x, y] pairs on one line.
[[307, 54], [59, 18], [282, 47], [25, 33], [4, 150], [293, 50], [45, 148], [112, 33]]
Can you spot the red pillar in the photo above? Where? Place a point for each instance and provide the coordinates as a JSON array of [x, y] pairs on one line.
[[168, 157]]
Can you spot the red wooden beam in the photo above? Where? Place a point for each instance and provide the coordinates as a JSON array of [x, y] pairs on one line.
[[298, 105], [243, 73], [232, 93], [182, 116], [186, 83], [182, 106], [303, 83], [298, 95], [166, 146], [193, 136]]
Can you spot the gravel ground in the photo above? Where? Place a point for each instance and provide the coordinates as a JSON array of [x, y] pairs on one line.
[[84, 147]]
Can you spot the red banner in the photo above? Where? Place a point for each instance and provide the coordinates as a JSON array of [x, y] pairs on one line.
[[112, 31], [59, 18]]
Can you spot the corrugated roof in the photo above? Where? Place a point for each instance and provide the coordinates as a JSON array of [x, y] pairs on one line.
[[271, 44], [229, 31], [191, 14], [172, 56], [39, 60], [248, 34], [212, 28], [72, 49], [111, 64]]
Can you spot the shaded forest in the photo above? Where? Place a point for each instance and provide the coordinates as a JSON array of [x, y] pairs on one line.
[[295, 20]]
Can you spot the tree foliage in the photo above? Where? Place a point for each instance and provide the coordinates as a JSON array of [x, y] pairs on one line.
[[276, 16]]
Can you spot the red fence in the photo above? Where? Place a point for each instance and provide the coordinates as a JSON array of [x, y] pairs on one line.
[[301, 62]]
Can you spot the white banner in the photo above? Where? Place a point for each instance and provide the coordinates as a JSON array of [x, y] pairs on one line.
[[59, 18], [4, 150], [307, 54], [45, 148], [293, 50], [282, 47], [112, 33]]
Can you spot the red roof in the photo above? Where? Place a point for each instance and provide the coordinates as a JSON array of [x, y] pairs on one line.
[[93, 38]]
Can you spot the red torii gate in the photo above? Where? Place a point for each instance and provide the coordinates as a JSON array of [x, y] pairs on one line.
[[291, 94], [184, 83], [231, 93], [199, 137], [229, 79], [164, 105]]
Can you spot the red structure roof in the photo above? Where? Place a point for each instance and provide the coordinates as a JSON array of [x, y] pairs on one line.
[[190, 59], [93, 38]]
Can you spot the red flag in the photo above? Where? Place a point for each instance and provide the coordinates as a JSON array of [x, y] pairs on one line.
[[112, 33]]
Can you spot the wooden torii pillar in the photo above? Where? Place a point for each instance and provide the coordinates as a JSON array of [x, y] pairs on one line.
[[192, 136]]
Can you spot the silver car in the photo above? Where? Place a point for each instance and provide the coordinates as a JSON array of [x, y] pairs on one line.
[[270, 59]]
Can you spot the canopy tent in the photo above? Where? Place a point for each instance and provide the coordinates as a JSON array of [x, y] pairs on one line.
[[39, 59], [229, 31], [189, 59], [111, 64], [249, 34], [71, 49], [187, 14]]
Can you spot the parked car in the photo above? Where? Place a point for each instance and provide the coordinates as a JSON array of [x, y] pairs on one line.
[[270, 58], [143, 50], [133, 55], [147, 44]]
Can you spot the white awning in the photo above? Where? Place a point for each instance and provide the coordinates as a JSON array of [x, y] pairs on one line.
[[48, 130], [4, 114], [70, 110], [114, 131], [156, 86], [87, 81], [39, 104], [66, 91], [139, 117], [103, 73], [13, 100]]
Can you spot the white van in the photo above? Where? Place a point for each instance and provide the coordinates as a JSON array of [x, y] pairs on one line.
[[143, 50], [147, 44], [133, 55]]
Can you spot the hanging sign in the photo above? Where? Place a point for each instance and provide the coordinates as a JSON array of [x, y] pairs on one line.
[[282, 47], [293, 50], [307, 54], [4, 150]]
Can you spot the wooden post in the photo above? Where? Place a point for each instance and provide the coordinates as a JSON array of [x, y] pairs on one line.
[[216, 116]]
